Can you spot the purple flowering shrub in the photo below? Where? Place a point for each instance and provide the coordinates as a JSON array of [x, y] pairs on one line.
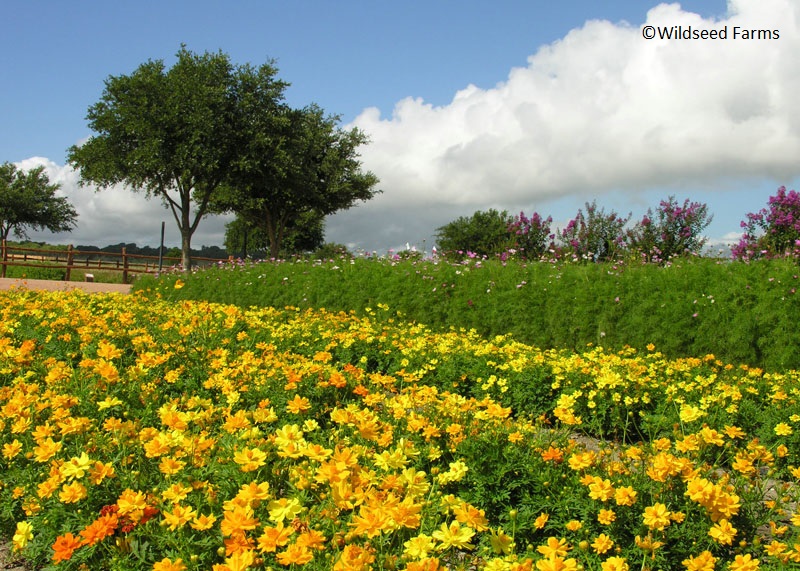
[[532, 236], [673, 230], [772, 232], [594, 236]]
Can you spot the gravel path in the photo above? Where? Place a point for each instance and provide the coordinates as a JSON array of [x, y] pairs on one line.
[[53, 285]]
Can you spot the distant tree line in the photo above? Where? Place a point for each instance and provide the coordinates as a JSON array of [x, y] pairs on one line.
[[672, 231], [214, 252], [593, 235]]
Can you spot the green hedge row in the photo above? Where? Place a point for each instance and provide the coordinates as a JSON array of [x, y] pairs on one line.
[[741, 313]]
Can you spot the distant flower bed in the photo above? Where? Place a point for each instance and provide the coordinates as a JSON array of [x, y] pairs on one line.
[[143, 434]]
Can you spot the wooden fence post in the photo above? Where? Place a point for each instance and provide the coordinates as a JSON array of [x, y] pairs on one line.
[[5, 258], [69, 262], [124, 265]]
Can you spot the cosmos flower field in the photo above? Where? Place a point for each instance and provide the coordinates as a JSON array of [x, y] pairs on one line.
[[139, 433]]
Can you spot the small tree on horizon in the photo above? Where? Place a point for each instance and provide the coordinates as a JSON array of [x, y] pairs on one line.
[[28, 199], [485, 233]]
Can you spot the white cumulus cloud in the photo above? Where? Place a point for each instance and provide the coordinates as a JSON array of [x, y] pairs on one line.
[[602, 110]]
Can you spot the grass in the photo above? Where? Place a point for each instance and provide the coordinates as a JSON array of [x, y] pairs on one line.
[[742, 313]]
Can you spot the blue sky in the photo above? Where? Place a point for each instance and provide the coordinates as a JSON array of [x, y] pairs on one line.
[[516, 105]]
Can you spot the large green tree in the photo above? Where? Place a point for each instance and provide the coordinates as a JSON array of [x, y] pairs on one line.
[[28, 199], [172, 133], [295, 165]]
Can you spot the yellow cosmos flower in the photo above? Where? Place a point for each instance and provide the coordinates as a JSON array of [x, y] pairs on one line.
[[557, 563], [453, 535], [744, 563], [132, 504], [690, 413], [250, 459], [284, 508], [573, 525], [418, 547], [783, 429], [22, 535], [554, 547], [168, 564], [179, 516], [11, 449], [722, 532], [108, 402], [203, 522], [72, 493], [614, 564], [703, 562], [656, 516], [602, 543], [606, 517], [298, 405], [541, 520], [625, 496]]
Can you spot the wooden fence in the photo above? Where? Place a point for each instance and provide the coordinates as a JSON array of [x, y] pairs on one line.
[[72, 259]]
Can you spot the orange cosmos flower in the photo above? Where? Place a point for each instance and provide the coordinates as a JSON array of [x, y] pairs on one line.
[[298, 405], [64, 547], [100, 472], [553, 455], [273, 537], [99, 529]]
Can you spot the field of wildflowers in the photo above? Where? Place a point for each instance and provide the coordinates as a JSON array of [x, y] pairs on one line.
[[141, 433]]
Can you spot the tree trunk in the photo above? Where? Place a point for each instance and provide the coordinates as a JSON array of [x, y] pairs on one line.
[[186, 250], [186, 232]]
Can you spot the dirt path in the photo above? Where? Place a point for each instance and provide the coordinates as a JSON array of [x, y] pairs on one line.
[[53, 285]]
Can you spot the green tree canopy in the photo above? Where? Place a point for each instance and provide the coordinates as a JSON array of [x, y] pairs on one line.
[[295, 166], [305, 233], [28, 199], [172, 133], [485, 233]]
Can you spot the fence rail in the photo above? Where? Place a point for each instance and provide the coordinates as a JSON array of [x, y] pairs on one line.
[[72, 259]]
